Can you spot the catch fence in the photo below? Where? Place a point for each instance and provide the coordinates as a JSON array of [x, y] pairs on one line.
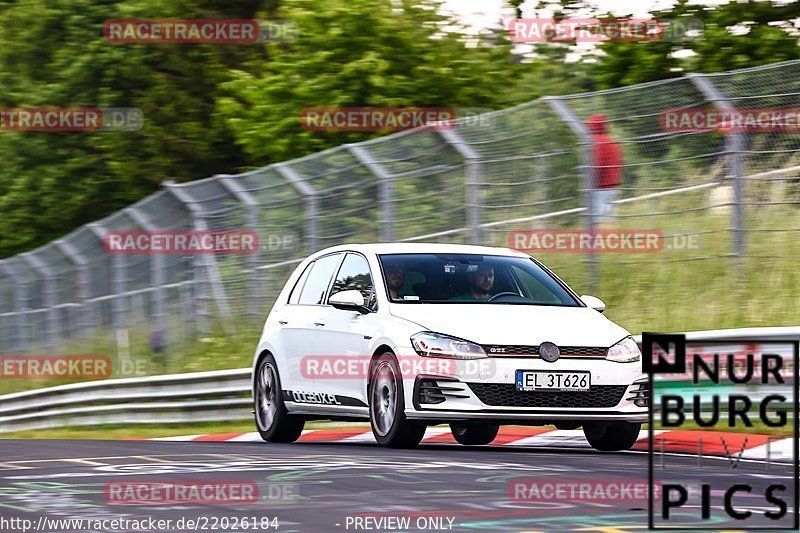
[[734, 194]]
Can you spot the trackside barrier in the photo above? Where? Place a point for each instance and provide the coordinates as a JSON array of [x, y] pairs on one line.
[[200, 396]]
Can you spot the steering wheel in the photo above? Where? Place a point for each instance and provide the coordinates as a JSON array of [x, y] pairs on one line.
[[499, 294]]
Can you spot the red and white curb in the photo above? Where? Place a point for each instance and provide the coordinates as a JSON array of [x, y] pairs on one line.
[[709, 443]]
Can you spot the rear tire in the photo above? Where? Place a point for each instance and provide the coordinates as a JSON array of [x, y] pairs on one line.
[[387, 415], [474, 435], [274, 423], [611, 436]]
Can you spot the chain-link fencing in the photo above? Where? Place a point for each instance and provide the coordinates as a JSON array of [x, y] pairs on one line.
[[718, 196]]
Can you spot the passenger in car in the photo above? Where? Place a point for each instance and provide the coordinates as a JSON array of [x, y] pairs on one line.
[[481, 282]]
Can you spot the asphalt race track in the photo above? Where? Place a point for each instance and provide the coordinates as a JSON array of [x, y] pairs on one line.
[[312, 487]]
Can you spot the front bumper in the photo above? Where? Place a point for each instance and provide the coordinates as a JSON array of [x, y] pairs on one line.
[[534, 418], [485, 391]]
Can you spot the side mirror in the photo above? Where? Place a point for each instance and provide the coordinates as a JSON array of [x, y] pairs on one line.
[[349, 301], [594, 302]]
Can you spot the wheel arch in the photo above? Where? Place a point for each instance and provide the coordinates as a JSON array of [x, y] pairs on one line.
[[262, 354], [380, 350]]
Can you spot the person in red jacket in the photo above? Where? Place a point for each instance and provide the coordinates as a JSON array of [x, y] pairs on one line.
[[607, 166]]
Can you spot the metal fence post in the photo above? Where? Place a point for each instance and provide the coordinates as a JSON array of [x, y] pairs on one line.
[[385, 190], [80, 264], [48, 292], [20, 307], [208, 260], [735, 146], [251, 208], [473, 184], [118, 285], [157, 267], [311, 200], [568, 116]]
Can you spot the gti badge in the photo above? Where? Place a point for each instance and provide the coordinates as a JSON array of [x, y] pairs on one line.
[[549, 352]]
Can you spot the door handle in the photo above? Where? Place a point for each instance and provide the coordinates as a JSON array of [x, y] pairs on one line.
[[319, 323], [282, 322]]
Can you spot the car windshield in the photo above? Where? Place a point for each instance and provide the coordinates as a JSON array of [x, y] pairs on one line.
[[471, 278]]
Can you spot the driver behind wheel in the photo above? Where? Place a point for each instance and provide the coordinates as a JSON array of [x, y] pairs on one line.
[[480, 282], [395, 277]]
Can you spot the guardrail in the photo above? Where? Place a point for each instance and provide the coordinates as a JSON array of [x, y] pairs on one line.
[[170, 399], [196, 397]]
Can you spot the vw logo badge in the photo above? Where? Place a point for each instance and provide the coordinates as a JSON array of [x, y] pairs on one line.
[[549, 352]]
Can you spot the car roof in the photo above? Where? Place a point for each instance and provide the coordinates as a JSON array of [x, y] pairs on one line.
[[421, 248]]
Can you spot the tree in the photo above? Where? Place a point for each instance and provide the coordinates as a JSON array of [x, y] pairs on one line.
[[53, 54], [735, 35], [358, 53]]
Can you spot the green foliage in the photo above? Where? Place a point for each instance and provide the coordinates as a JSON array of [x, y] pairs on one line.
[[53, 54], [735, 35], [222, 108], [358, 53]]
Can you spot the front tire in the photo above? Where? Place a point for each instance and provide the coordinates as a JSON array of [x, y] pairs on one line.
[[612, 436], [387, 415], [474, 435], [273, 421]]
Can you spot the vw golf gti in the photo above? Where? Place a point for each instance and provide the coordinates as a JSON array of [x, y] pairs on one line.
[[411, 335]]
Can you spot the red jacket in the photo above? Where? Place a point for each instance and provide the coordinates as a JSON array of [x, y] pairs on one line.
[[606, 155]]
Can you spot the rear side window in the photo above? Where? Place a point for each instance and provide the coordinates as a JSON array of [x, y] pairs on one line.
[[317, 281], [294, 297], [355, 276]]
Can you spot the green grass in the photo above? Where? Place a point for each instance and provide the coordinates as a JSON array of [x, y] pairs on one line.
[[216, 351], [684, 290]]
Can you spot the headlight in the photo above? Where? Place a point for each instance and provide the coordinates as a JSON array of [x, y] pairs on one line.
[[625, 351], [429, 344]]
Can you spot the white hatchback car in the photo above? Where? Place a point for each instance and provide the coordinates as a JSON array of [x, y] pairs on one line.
[[411, 335]]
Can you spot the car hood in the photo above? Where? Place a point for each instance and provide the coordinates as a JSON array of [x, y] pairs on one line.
[[514, 324]]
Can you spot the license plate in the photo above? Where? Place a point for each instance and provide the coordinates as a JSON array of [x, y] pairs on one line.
[[555, 381]]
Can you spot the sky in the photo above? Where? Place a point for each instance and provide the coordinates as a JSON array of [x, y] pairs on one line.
[[486, 13], [480, 14]]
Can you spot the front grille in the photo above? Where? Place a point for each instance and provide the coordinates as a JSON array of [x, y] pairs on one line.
[[566, 351], [507, 395]]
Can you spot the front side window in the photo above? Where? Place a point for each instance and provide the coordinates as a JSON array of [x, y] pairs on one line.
[[355, 275], [471, 278], [316, 285]]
